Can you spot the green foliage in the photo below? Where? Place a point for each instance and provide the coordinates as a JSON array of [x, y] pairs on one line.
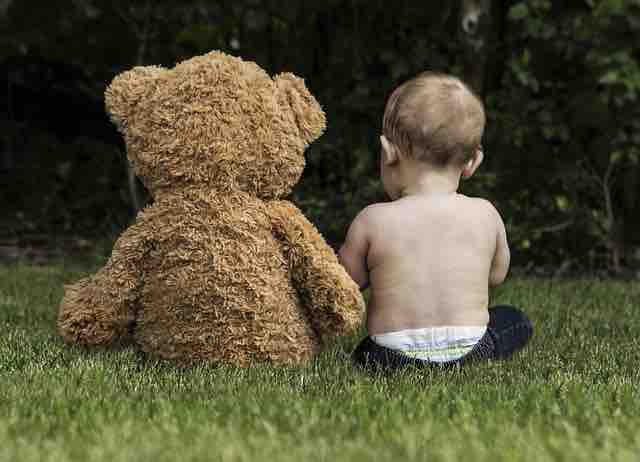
[[84, 192], [571, 395], [561, 94], [569, 100]]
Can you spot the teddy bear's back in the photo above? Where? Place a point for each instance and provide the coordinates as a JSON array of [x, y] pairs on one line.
[[216, 284]]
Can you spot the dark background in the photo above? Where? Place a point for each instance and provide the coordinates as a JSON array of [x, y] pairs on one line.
[[560, 81]]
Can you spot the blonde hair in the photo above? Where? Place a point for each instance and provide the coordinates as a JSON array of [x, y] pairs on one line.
[[436, 118]]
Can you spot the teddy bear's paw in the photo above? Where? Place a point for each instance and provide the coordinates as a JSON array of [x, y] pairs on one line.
[[83, 320], [87, 333], [83, 328]]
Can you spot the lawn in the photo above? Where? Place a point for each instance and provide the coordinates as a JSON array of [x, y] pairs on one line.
[[572, 395]]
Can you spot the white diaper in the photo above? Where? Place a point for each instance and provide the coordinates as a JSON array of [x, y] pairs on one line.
[[437, 344]]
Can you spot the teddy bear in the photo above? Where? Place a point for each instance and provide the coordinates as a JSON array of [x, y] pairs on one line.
[[220, 268]]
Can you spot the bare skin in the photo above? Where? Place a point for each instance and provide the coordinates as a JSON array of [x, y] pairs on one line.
[[430, 255]]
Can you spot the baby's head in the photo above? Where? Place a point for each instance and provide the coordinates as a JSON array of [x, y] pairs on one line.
[[433, 121]]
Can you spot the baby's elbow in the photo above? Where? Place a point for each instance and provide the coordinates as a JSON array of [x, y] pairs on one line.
[[362, 280], [495, 281], [497, 277], [353, 266], [359, 275]]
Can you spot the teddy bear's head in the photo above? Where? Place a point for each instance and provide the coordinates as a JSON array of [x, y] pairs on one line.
[[215, 121]]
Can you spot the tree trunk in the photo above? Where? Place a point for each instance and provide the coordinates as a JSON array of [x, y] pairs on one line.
[[631, 213], [135, 190], [7, 155], [475, 27]]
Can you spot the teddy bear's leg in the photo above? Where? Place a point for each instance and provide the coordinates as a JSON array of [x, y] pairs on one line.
[[333, 300], [100, 309]]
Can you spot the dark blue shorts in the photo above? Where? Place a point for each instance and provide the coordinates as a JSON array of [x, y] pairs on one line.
[[508, 331]]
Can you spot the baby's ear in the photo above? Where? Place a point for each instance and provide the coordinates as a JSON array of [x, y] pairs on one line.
[[389, 151], [472, 164], [294, 96], [127, 89]]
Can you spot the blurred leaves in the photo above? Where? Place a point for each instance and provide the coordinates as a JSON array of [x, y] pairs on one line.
[[573, 77], [562, 104]]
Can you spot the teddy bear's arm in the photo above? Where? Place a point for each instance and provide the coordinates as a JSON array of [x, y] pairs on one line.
[[99, 309], [333, 300]]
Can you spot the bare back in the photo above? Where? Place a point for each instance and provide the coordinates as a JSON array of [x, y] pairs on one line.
[[429, 261]]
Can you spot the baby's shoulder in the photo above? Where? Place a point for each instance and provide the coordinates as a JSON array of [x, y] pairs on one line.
[[373, 216], [376, 209], [369, 214], [480, 204], [483, 209]]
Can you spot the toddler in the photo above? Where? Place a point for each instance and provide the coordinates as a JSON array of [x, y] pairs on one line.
[[430, 254]]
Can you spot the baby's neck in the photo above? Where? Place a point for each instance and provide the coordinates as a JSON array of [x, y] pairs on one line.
[[430, 183]]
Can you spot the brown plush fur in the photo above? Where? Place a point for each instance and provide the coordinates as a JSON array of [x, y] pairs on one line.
[[217, 269]]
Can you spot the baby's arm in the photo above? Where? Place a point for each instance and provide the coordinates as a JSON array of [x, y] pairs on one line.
[[353, 253], [502, 256], [333, 302]]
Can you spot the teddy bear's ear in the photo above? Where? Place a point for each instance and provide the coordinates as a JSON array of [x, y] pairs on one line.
[[294, 96], [126, 90]]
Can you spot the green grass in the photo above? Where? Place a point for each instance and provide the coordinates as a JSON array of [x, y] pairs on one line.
[[572, 395]]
